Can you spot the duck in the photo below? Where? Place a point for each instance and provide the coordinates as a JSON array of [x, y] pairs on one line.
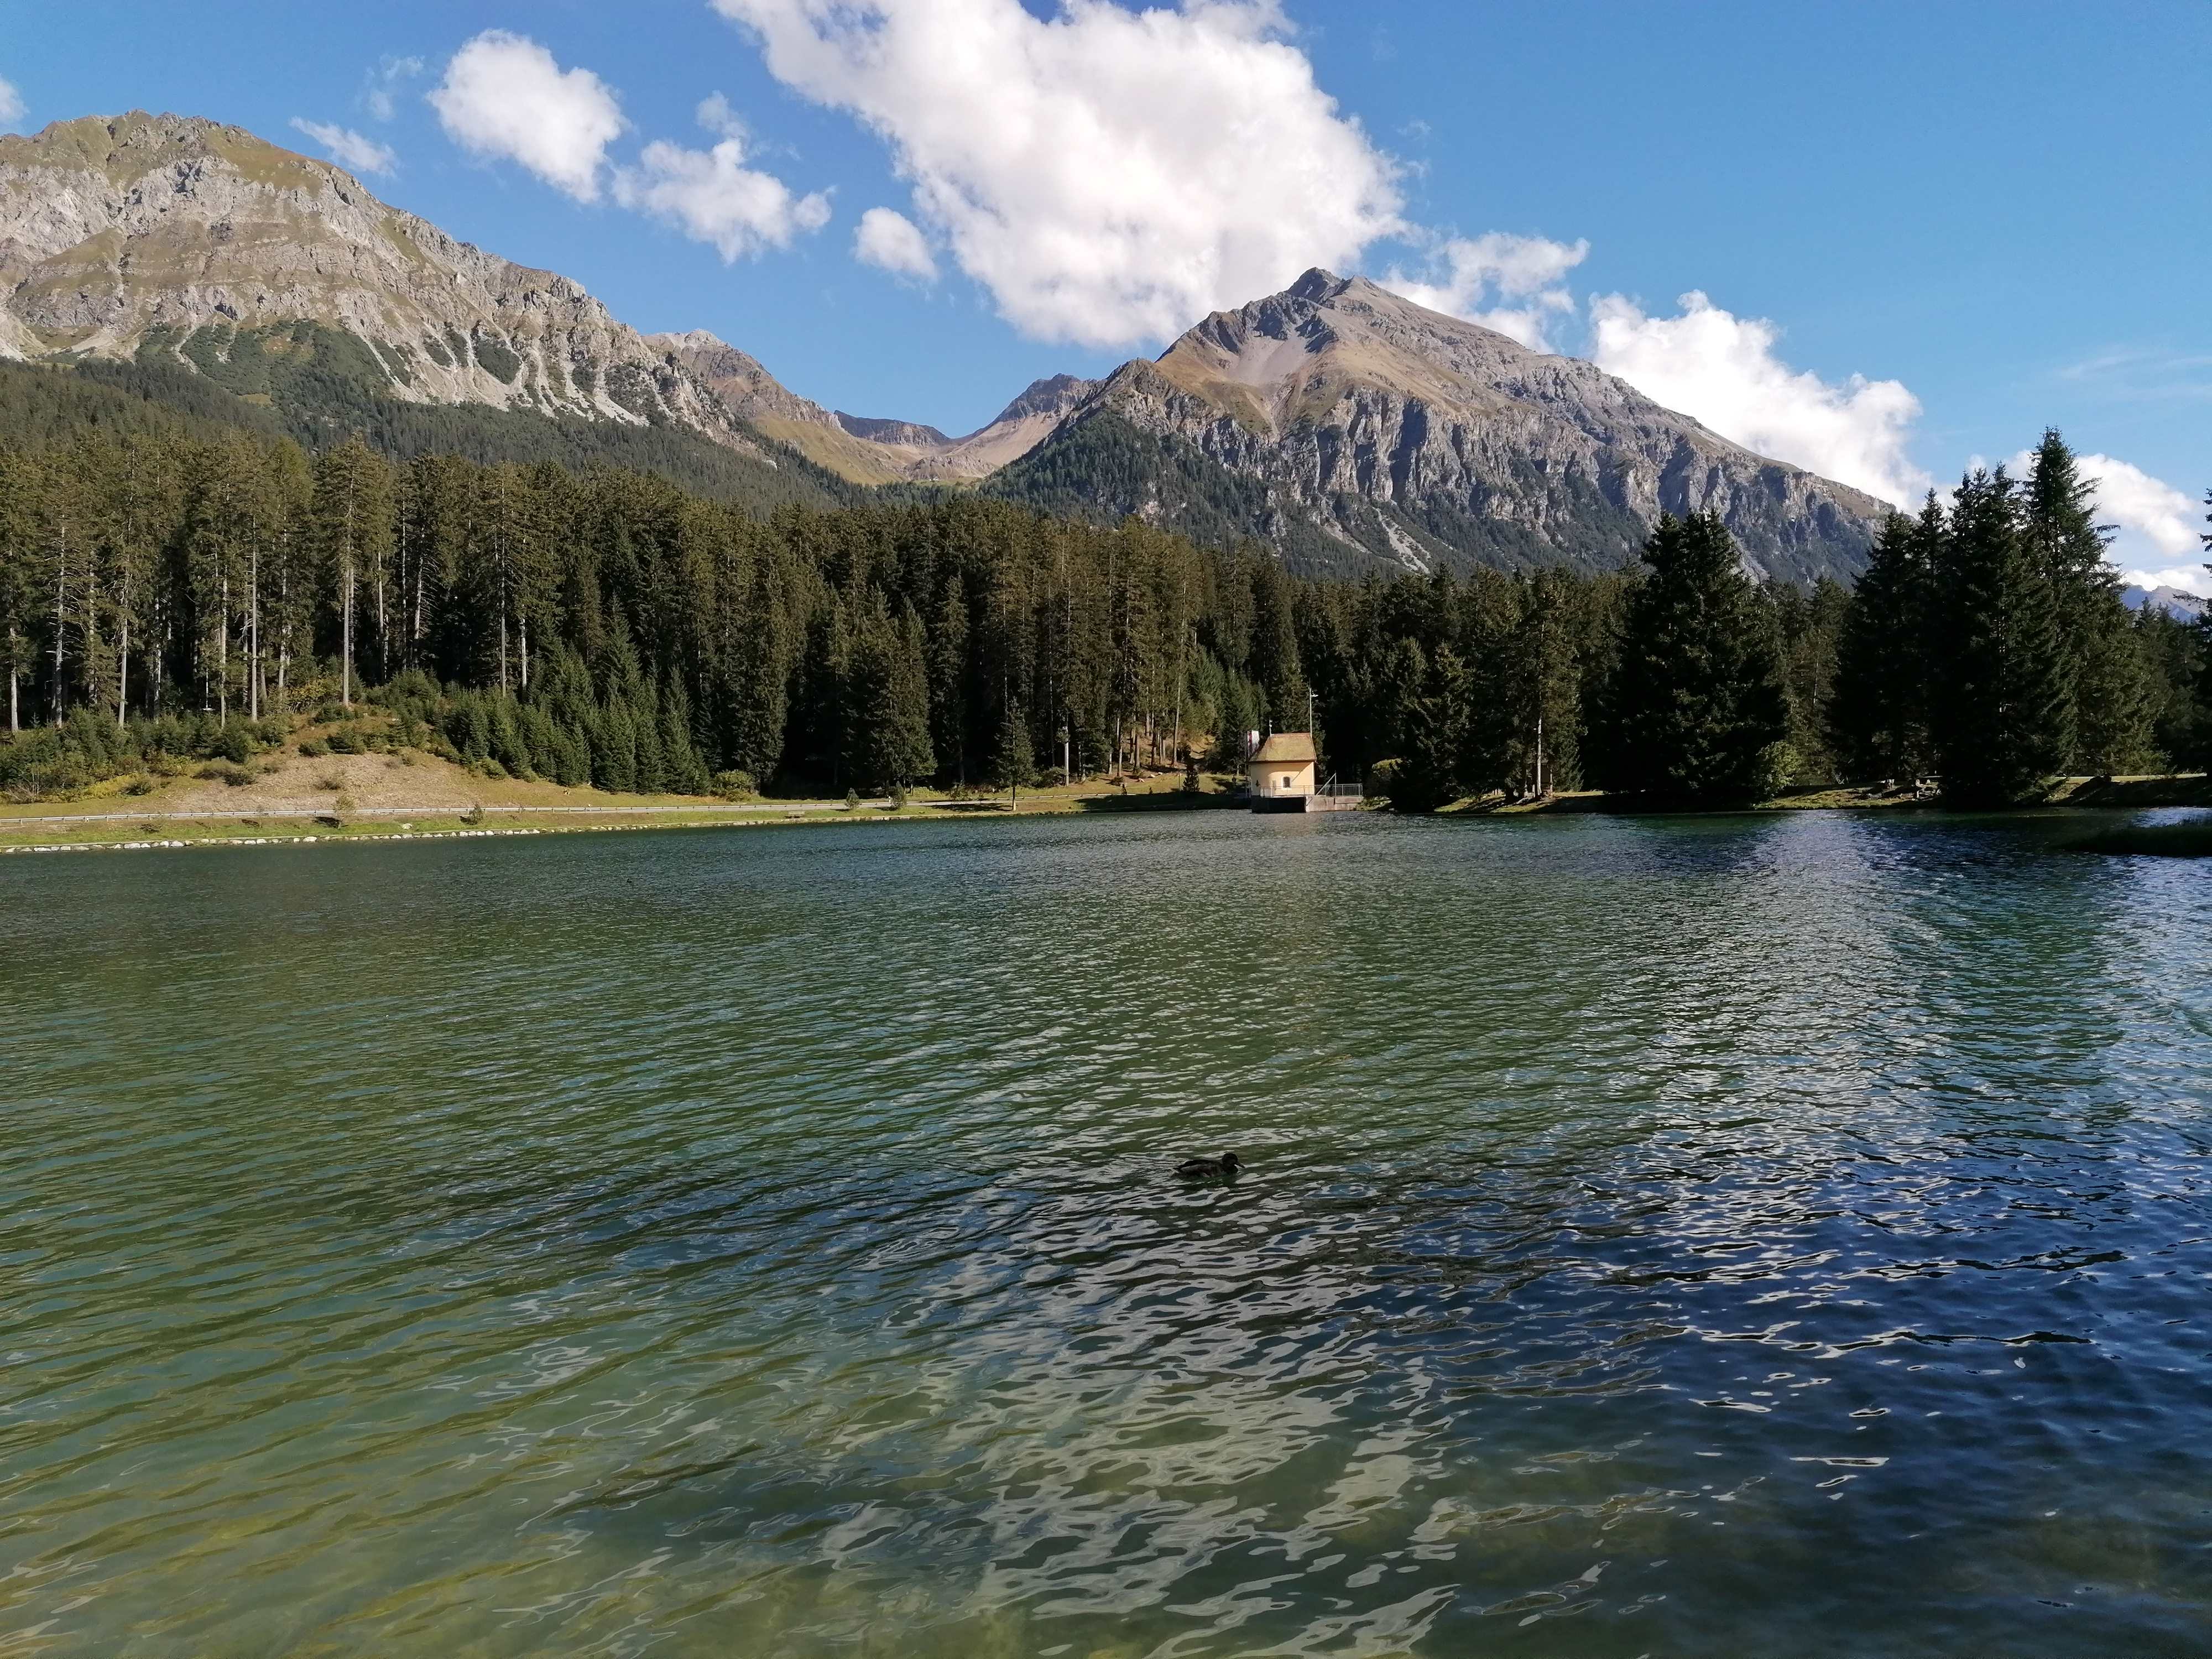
[[1223, 1168]]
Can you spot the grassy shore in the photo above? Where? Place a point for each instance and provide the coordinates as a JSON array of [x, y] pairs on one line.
[[290, 798], [182, 818]]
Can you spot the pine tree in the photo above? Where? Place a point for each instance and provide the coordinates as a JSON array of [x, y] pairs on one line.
[[1879, 711], [1436, 726], [1013, 758], [2004, 706], [353, 518], [903, 736], [2106, 685], [1698, 708]]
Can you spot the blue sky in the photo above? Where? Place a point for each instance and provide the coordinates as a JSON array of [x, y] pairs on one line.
[[1997, 215]]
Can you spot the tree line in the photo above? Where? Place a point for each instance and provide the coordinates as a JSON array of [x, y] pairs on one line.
[[160, 591]]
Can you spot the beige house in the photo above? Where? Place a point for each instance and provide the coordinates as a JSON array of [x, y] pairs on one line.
[[1282, 768]]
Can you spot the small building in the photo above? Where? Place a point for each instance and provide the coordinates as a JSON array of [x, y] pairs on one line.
[[1281, 771]]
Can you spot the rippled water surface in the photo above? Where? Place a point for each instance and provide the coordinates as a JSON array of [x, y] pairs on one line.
[[1699, 1237]]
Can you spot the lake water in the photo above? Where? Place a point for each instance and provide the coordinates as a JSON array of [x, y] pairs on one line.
[[1706, 1237]]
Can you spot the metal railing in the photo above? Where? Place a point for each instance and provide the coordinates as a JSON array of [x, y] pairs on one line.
[[1335, 791]]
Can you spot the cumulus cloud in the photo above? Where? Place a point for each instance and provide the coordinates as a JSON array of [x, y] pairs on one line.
[[713, 196], [505, 98], [1473, 276], [2155, 520], [12, 107], [893, 242], [1722, 368], [1109, 175], [349, 149], [2151, 507]]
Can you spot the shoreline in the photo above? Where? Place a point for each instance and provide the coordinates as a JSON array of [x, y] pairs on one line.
[[99, 832], [104, 832]]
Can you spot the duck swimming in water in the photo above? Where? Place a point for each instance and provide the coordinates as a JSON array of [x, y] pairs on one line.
[[1223, 1168]]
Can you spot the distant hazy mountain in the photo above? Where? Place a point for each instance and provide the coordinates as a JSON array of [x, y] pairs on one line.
[[2187, 606], [866, 450], [1341, 424]]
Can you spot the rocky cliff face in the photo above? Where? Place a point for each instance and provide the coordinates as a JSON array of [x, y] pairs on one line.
[[1404, 435], [158, 237]]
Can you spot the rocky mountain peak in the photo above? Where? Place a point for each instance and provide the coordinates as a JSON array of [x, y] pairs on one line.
[[1053, 396]]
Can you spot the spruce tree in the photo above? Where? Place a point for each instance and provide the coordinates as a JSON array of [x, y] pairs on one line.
[[2106, 685], [1879, 714], [1696, 704], [1014, 760], [2004, 705], [1436, 725]]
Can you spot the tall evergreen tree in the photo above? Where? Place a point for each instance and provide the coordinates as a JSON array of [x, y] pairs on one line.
[[2004, 702], [1697, 709], [1879, 712], [2108, 694], [1436, 729]]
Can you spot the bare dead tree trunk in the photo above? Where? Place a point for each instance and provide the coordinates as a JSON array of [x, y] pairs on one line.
[[61, 601], [123, 666]]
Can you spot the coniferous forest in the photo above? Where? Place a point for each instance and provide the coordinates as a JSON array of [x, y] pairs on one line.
[[187, 591]]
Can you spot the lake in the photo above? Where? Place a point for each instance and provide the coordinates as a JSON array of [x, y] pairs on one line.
[[1727, 1235]]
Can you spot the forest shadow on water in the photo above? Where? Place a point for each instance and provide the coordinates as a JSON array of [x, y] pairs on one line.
[[1669, 1235]]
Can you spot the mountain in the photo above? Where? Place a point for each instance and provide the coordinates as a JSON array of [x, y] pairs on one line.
[[191, 263], [863, 449], [2189, 607], [1346, 425], [162, 238]]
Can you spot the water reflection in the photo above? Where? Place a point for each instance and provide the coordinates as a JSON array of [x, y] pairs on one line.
[[674, 1243]]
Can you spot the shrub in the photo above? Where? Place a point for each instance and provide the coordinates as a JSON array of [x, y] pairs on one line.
[[331, 782], [314, 749], [228, 773], [852, 801], [898, 798], [343, 802], [233, 741], [1777, 769], [141, 785], [733, 785], [345, 740]]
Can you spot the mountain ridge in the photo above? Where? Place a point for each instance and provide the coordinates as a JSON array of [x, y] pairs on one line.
[[1335, 422]]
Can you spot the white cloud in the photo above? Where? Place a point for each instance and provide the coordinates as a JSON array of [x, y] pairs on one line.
[[2152, 520], [713, 196], [12, 107], [2150, 507], [349, 149], [1529, 270], [1109, 175], [1722, 369], [504, 98], [893, 242], [382, 95]]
